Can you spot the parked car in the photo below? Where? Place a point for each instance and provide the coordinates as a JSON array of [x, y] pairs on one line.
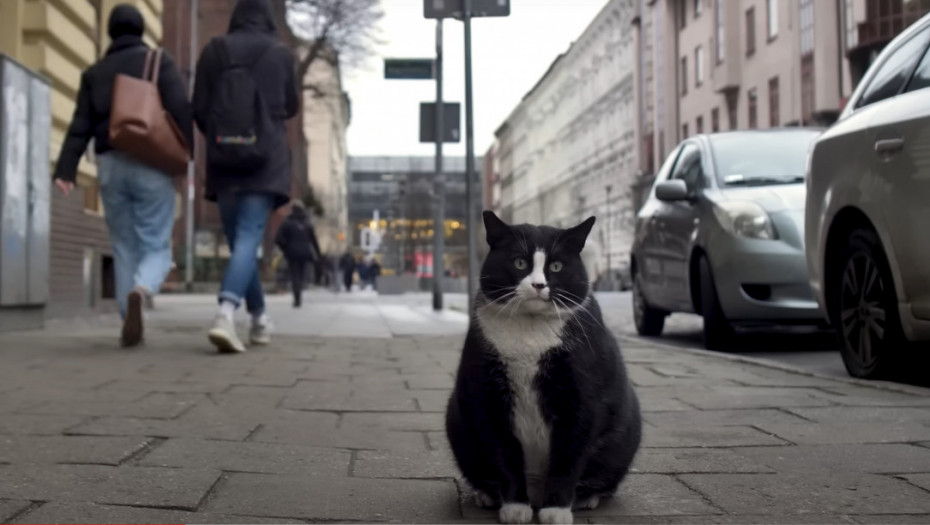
[[868, 203], [720, 235]]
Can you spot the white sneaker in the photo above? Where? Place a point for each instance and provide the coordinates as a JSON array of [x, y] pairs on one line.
[[223, 335], [261, 331]]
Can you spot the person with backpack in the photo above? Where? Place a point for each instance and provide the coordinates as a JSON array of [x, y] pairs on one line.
[[299, 245], [245, 90], [138, 199]]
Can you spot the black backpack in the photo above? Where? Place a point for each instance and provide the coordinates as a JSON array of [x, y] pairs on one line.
[[239, 126]]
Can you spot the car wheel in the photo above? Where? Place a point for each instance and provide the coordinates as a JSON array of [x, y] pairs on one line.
[[649, 321], [718, 334], [865, 313]]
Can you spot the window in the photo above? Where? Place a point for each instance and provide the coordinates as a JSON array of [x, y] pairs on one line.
[[684, 131], [779, 155], [698, 7], [699, 66], [715, 120], [806, 26], [731, 115], [774, 117], [921, 78], [771, 11], [683, 15], [894, 71], [721, 37], [751, 31], [684, 75], [688, 168], [753, 109], [699, 125]]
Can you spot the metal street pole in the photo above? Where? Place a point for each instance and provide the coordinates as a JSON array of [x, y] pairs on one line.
[[439, 184], [472, 216], [609, 275], [189, 211]]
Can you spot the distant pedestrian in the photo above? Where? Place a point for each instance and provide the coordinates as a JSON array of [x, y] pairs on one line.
[[138, 200], [244, 91], [347, 267], [298, 242], [374, 272]]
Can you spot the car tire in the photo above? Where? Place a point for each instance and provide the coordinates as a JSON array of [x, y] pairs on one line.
[[865, 314], [649, 321], [718, 333]]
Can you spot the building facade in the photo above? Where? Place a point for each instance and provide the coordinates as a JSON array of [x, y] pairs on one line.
[[58, 39], [399, 191], [326, 117], [569, 149]]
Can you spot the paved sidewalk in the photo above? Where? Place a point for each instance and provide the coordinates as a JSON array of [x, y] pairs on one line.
[[323, 429]]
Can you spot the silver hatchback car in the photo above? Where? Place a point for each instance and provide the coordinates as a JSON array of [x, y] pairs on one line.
[[721, 235]]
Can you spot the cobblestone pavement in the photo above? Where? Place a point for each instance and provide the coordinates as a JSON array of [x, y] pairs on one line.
[[343, 428]]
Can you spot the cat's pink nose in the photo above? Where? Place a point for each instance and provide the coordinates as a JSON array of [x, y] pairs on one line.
[[539, 286]]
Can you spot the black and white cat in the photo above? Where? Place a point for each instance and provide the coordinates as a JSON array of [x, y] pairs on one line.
[[543, 414]]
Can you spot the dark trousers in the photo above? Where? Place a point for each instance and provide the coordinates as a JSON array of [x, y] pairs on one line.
[[347, 280], [298, 271]]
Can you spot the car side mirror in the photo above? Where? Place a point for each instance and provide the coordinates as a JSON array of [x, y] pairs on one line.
[[672, 190]]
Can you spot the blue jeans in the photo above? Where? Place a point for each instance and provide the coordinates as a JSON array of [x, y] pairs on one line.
[[138, 202], [244, 216]]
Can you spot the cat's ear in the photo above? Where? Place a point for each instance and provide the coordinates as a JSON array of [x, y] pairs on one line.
[[497, 230], [574, 238]]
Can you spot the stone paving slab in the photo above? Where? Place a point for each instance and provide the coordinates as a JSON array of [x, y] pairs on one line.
[[71, 449], [337, 498], [136, 486], [80, 513], [249, 457], [10, 508]]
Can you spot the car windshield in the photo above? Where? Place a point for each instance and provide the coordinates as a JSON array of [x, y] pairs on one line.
[[756, 159]]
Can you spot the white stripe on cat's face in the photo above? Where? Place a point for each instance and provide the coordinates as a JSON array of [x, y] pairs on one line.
[[534, 285]]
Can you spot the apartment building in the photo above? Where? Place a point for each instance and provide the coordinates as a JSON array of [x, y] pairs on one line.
[[58, 39], [569, 149], [326, 117]]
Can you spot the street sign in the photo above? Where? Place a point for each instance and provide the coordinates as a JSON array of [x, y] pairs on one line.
[[370, 240], [453, 8], [451, 122], [409, 68]]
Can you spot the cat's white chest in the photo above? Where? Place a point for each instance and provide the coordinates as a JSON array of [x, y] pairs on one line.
[[522, 341]]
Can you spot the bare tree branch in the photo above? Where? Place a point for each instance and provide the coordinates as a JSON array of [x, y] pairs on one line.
[[339, 32]]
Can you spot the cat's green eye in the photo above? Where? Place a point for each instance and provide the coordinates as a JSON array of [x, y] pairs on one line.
[[520, 264], [555, 267]]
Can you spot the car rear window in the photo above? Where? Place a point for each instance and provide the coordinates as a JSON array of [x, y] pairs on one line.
[[761, 158]]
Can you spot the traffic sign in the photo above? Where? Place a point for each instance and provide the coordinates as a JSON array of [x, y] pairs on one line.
[[409, 68], [451, 122], [453, 8]]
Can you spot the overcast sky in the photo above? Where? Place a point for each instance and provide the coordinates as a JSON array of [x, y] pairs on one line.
[[509, 55]]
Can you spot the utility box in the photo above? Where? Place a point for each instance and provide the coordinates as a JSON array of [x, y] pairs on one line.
[[25, 184]]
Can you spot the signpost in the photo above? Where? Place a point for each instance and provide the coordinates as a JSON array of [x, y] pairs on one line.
[[409, 69], [450, 122], [465, 10]]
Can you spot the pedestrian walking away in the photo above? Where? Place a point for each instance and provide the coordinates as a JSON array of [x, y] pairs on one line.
[[244, 92], [347, 265], [374, 271], [298, 242], [138, 200]]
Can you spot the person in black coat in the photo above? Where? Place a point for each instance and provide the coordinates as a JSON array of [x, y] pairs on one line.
[[347, 265], [247, 199], [138, 199], [298, 242]]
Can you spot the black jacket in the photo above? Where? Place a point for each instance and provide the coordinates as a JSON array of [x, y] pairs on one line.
[[251, 30], [296, 237], [91, 118]]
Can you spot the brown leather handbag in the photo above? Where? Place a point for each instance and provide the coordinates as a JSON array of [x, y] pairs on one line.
[[139, 124]]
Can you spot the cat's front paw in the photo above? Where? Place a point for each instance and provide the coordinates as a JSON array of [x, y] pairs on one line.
[[556, 516], [516, 513]]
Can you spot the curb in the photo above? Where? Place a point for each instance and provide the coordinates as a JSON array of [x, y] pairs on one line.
[[878, 385]]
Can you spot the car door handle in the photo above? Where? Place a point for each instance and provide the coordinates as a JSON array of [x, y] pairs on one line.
[[889, 146]]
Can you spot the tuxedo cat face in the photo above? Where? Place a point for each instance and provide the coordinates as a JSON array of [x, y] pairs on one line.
[[535, 269]]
